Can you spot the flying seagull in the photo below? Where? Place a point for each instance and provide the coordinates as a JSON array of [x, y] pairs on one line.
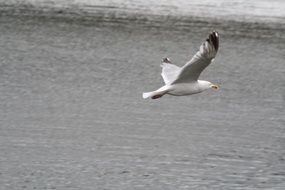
[[182, 81]]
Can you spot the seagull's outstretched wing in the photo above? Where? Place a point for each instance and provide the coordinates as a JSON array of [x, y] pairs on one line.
[[169, 71], [192, 69]]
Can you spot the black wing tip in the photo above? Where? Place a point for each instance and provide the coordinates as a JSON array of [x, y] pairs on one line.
[[214, 39], [166, 60]]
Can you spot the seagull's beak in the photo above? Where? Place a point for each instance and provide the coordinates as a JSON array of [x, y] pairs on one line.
[[216, 87]]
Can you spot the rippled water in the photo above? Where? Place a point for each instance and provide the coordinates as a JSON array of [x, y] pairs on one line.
[[72, 116]]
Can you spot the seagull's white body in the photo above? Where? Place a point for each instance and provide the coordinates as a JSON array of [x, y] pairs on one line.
[[181, 81], [180, 89]]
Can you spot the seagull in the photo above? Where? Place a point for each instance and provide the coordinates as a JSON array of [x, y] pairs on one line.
[[183, 81]]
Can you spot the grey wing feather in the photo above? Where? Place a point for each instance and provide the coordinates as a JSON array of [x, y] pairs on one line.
[[169, 72], [192, 69]]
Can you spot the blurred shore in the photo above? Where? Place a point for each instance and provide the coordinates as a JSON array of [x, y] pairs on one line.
[[257, 19], [236, 10]]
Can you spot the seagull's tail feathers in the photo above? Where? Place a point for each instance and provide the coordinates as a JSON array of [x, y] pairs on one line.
[[157, 93], [146, 95], [154, 94]]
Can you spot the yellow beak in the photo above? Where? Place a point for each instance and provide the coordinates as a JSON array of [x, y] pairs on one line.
[[216, 87]]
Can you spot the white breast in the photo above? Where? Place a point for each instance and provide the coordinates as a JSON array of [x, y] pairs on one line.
[[182, 89]]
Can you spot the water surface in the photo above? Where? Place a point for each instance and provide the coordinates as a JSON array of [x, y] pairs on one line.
[[72, 115]]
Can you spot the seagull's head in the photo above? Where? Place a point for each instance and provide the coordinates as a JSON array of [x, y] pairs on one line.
[[204, 85]]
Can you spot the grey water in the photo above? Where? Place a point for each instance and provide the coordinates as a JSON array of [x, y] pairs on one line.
[[72, 115]]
